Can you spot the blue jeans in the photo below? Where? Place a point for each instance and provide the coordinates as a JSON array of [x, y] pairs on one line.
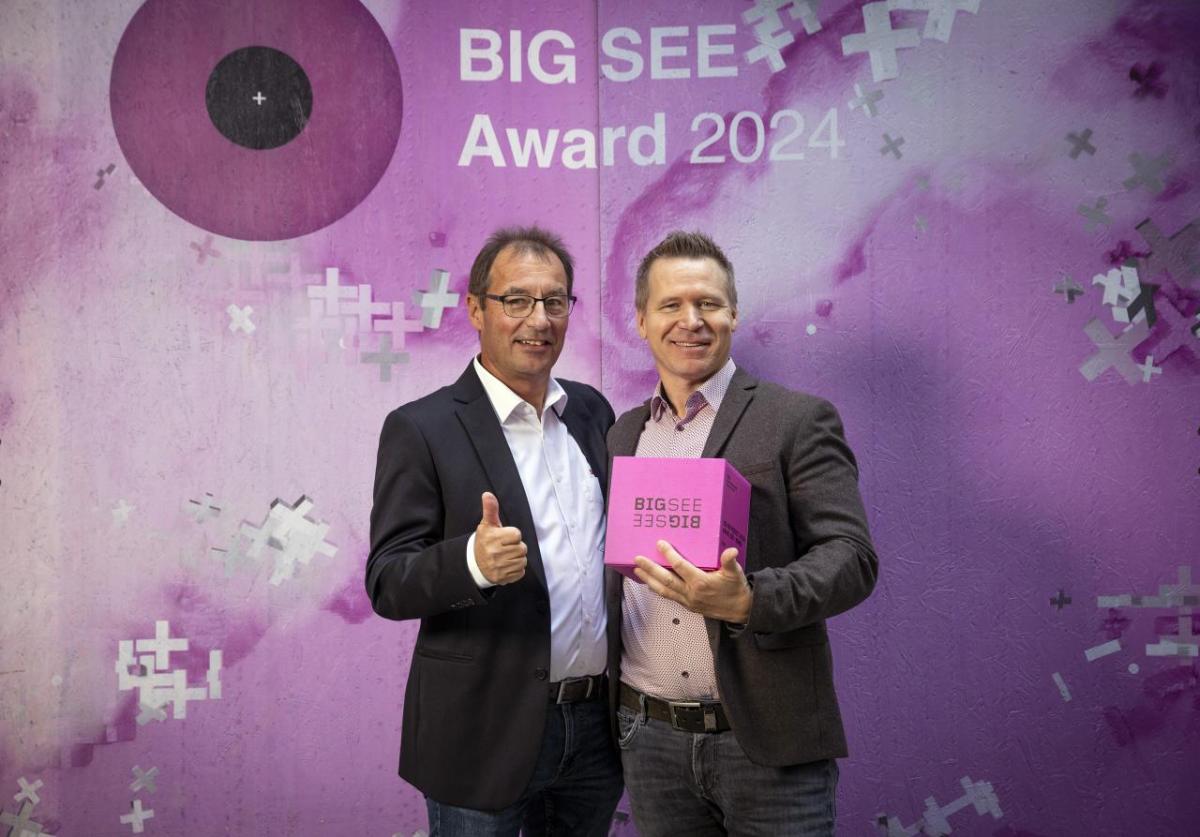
[[683, 783], [574, 788]]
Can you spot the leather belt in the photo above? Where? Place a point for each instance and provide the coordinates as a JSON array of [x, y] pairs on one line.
[[575, 689], [683, 715]]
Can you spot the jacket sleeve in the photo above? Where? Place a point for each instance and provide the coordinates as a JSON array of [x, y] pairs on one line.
[[412, 571], [835, 566]]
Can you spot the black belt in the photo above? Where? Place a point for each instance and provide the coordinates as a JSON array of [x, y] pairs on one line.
[[575, 689], [683, 715]]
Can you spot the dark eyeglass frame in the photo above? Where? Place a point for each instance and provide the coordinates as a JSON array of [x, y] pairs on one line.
[[504, 298]]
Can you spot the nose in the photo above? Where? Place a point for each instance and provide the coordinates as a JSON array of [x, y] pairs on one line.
[[537, 316], [691, 317]]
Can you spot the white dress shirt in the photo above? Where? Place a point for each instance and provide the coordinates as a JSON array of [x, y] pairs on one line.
[[568, 515]]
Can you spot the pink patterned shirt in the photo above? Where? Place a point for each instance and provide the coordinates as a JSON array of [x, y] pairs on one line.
[[665, 646]]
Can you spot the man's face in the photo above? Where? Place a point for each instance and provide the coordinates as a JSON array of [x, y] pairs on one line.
[[688, 322], [520, 351]]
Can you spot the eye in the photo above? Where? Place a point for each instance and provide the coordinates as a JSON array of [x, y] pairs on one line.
[[711, 305], [668, 306]]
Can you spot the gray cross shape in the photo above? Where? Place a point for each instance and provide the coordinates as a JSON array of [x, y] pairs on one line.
[[143, 779], [1080, 143], [866, 100], [892, 146], [385, 357], [1147, 172], [1113, 351]]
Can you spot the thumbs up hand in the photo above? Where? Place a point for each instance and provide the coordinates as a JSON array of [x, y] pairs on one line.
[[499, 550]]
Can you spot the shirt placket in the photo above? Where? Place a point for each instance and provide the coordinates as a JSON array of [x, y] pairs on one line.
[[555, 464]]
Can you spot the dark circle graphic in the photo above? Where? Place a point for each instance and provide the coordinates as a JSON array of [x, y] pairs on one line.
[[259, 97], [228, 169]]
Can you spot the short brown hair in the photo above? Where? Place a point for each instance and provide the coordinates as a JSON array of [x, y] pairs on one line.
[[683, 245], [535, 240]]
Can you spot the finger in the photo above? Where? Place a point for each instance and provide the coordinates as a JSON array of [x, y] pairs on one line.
[[660, 574], [656, 583], [684, 568], [510, 554], [508, 535], [491, 510], [729, 561]]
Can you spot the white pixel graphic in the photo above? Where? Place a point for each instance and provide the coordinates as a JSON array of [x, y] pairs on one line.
[[1121, 287], [145, 665], [769, 29], [239, 318], [880, 41], [936, 820], [939, 19], [435, 300], [289, 536], [1183, 596]]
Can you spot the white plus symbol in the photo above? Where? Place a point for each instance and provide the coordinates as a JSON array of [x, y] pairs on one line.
[[259, 97]]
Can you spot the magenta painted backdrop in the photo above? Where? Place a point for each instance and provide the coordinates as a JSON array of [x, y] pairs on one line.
[[986, 252]]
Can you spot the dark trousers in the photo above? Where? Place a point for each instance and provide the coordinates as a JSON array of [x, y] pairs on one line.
[[574, 789], [684, 784]]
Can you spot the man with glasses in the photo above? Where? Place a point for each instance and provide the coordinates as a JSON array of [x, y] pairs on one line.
[[726, 716], [488, 526]]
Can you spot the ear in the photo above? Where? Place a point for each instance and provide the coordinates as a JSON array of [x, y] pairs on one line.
[[734, 321], [641, 324], [475, 312]]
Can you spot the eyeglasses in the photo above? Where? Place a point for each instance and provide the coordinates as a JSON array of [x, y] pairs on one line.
[[521, 305]]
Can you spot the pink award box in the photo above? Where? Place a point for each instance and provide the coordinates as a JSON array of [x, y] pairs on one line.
[[700, 506]]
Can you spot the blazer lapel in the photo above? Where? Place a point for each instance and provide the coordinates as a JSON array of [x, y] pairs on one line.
[[628, 430], [737, 399], [483, 429]]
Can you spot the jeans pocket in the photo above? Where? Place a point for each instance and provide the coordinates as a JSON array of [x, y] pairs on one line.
[[628, 723]]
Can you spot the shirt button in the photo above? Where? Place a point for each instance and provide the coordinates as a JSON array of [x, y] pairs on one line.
[[675, 621], [540, 673], [683, 674]]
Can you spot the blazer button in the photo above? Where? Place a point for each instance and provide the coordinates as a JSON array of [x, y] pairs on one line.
[[541, 673]]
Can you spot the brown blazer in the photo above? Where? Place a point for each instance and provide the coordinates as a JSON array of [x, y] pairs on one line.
[[808, 556]]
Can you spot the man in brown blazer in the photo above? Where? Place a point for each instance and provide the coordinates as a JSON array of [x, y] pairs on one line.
[[726, 714]]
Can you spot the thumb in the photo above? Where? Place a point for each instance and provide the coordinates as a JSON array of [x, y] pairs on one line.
[[491, 510], [729, 562]]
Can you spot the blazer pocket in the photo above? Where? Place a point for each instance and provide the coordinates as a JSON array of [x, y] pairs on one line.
[[809, 635], [757, 468], [448, 656]]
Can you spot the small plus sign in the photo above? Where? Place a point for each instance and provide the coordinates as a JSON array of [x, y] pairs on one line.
[[385, 357], [1081, 143], [866, 100], [1149, 370], [259, 98], [437, 299], [103, 173], [1060, 600], [137, 817], [1070, 288], [203, 251], [892, 146]]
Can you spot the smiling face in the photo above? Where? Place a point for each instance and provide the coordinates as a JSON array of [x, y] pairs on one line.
[[521, 352], [688, 322]]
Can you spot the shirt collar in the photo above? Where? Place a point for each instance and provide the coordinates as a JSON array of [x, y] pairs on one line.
[[505, 401], [711, 392]]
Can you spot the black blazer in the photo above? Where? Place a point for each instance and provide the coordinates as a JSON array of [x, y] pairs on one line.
[[478, 689], [808, 555]]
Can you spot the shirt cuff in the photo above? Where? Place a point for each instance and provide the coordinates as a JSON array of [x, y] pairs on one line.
[[476, 573]]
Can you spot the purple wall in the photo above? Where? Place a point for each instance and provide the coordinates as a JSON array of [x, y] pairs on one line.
[[940, 291]]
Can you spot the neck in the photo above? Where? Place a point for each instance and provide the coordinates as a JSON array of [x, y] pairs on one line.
[[532, 390], [678, 393]]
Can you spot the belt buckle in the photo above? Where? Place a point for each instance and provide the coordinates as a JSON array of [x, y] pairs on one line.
[[708, 713], [573, 681]]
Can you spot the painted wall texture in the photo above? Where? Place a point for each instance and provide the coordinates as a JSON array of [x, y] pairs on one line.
[[971, 224]]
